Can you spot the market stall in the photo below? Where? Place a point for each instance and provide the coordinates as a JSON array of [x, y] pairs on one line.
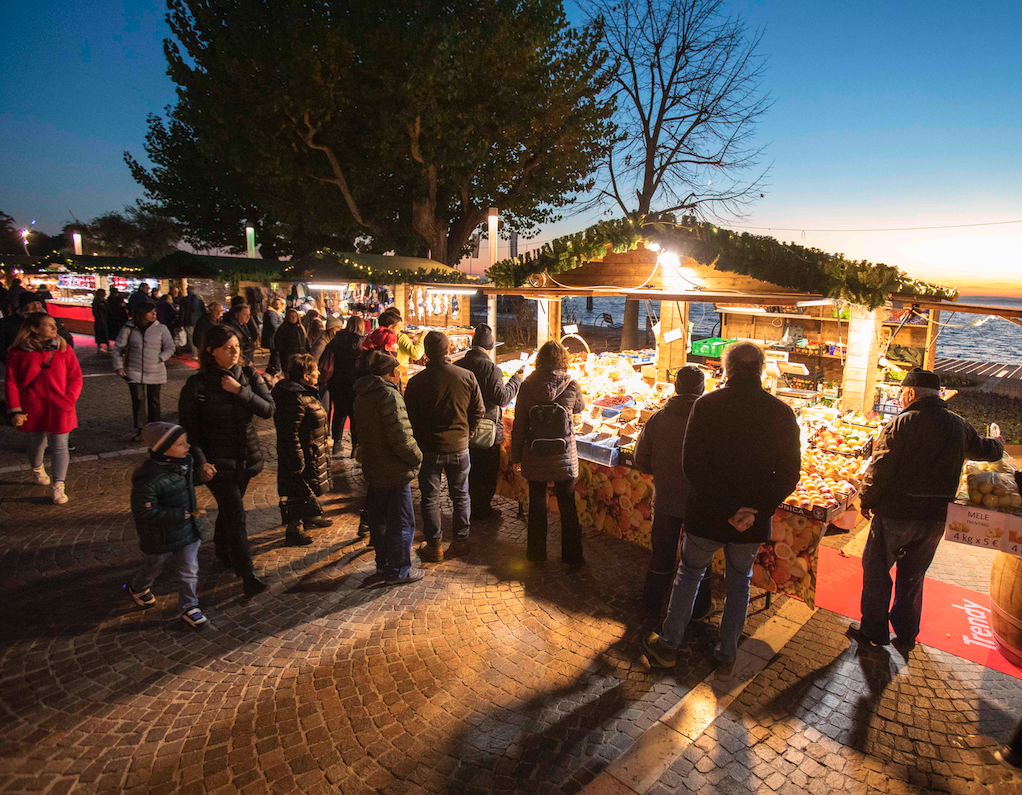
[[756, 282]]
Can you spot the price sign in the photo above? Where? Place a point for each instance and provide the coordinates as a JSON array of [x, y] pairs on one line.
[[974, 526], [573, 329]]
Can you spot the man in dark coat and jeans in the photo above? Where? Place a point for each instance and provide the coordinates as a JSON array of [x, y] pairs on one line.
[[657, 453], [390, 459], [485, 462], [914, 474], [444, 406], [742, 459]]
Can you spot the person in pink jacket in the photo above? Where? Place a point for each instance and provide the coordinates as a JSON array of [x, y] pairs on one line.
[[44, 381]]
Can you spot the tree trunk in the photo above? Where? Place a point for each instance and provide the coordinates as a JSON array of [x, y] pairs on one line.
[[630, 327]]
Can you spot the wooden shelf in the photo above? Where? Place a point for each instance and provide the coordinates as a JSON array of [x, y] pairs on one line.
[[792, 315], [816, 355]]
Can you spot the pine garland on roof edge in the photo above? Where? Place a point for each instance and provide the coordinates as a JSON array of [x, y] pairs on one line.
[[808, 270]]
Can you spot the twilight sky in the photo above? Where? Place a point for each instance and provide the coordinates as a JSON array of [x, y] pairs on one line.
[[886, 115]]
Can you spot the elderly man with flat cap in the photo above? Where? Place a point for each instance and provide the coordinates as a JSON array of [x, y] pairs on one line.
[[914, 474]]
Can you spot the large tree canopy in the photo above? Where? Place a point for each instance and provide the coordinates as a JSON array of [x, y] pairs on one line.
[[396, 123]]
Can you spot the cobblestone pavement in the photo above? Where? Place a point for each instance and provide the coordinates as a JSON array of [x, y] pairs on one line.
[[489, 675]]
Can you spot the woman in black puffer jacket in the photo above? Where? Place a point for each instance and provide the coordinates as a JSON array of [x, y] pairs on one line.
[[303, 464], [218, 406]]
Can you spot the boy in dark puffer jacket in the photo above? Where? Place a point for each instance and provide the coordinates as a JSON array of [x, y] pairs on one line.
[[166, 518]]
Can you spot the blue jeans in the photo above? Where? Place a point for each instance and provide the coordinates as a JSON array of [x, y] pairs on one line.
[[59, 456], [187, 559], [456, 466], [912, 545], [391, 520], [696, 556]]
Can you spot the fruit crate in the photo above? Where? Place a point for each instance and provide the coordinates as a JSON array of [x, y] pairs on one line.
[[712, 347], [818, 513], [863, 451]]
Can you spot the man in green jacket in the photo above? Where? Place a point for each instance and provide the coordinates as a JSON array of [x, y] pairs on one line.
[[390, 461]]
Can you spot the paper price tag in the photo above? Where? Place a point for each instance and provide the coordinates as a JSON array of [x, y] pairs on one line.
[[673, 335], [974, 527], [573, 329]]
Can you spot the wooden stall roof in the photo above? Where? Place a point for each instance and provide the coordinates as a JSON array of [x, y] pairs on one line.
[[1012, 313]]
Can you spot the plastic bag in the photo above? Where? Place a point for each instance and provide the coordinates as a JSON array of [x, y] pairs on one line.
[[995, 490]]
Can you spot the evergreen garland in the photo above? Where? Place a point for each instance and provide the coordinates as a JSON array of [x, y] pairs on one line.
[[347, 266], [808, 270]]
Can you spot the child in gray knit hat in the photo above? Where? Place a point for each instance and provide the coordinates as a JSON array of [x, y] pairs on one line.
[[167, 518]]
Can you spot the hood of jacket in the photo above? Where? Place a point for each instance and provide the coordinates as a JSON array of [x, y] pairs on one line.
[[372, 383], [287, 385], [179, 466], [550, 382]]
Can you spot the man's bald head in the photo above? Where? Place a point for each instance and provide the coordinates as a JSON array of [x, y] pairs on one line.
[[744, 359]]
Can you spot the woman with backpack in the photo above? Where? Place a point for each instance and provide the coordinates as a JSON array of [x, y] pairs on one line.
[[543, 443], [218, 407], [43, 383], [303, 461], [141, 351]]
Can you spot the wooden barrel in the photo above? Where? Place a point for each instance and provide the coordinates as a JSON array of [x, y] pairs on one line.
[[1006, 601]]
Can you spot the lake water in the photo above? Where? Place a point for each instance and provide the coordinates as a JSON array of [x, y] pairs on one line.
[[996, 340]]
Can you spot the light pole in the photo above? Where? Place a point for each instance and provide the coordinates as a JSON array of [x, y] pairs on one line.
[[24, 241]]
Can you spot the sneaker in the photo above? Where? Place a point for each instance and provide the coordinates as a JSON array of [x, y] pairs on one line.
[[374, 579], [904, 645], [336, 452], [431, 553], [59, 497], [193, 617], [363, 530], [138, 436], [40, 476], [317, 521], [413, 575], [144, 599], [725, 670], [253, 585], [297, 538], [659, 653], [855, 632]]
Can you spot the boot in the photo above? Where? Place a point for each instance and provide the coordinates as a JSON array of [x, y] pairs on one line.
[[295, 537]]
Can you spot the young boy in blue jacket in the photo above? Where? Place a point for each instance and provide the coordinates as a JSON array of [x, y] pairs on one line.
[[166, 518]]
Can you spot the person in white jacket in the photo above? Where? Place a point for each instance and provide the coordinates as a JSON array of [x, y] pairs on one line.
[[141, 351]]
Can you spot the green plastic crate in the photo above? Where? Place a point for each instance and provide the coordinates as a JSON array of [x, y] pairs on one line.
[[712, 346]]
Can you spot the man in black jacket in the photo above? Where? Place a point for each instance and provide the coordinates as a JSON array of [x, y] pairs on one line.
[[914, 474], [192, 308], [444, 407], [742, 459], [657, 452], [485, 461], [213, 317]]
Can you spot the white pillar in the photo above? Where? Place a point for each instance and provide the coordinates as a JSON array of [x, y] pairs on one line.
[[861, 363], [76, 237], [491, 321], [250, 241], [542, 321]]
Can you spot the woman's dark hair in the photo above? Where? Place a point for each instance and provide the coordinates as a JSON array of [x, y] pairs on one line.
[[141, 311], [356, 325], [552, 356], [389, 317], [300, 365], [216, 337]]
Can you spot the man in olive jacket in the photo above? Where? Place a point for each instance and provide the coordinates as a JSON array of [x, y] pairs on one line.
[[485, 461], [444, 406], [917, 462], [390, 460], [742, 459]]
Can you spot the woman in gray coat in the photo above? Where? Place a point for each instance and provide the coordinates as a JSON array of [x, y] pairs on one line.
[[140, 353], [543, 443]]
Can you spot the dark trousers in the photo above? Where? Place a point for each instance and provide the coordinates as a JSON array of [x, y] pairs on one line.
[[145, 402], [571, 532], [273, 365], [456, 467], [482, 478], [665, 536], [391, 520], [912, 545], [343, 410], [231, 534]]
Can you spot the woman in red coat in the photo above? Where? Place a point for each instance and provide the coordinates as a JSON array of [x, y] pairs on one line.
[[43, 383]]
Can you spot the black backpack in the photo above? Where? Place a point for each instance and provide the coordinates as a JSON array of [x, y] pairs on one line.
[[549, 429]]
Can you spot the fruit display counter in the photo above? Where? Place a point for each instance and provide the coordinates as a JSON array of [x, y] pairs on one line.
[[618, 500]]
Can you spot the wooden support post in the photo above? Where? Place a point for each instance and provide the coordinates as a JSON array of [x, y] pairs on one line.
[[491, 321], [548, 320], [859, 385], [932, 329], [630, 326], [672, 355]]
